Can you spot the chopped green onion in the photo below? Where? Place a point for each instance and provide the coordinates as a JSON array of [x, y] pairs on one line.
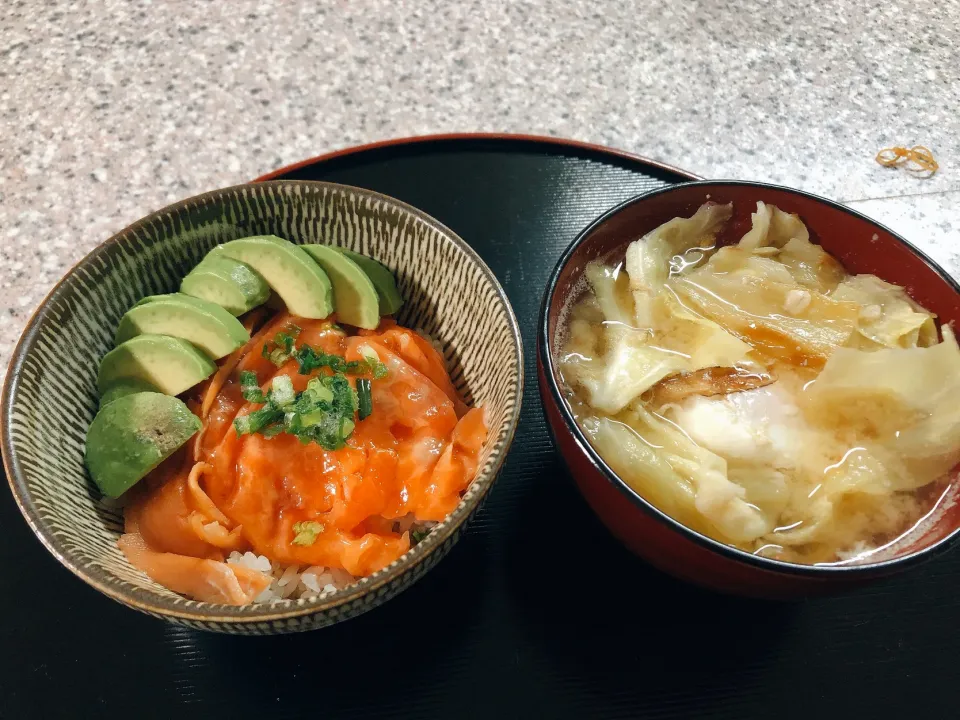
[[250, 388], [344, 402], [417, 535], [328, 433], [279, 350], [375, 367], [292, 422], [272, 430], [281, 391], [320, 391], [312, 418], [310, 360], [305, 533], [364, 399], [324, 412], [243, 425], [257, 420]]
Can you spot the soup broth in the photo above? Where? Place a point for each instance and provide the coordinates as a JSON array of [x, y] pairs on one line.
[[759, 393]]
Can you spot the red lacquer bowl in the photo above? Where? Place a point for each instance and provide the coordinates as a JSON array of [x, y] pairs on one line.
[[862, 246]]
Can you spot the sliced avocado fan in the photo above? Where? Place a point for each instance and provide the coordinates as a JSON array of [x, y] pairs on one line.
[[299, 281]]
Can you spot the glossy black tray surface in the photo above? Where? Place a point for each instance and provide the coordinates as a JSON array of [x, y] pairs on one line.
[[538, 612]]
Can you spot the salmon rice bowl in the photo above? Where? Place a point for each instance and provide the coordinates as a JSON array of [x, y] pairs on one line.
[[271, 432]]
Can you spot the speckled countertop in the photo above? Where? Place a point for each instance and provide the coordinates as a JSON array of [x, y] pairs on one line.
[[110, 110]]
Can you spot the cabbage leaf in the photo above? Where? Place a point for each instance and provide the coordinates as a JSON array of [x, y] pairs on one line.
[[627, 368], [888, 318], [754, 308], [611, 289], [906, 401], [721, 502], [648, 259], [811, 265], [772, 227], [702, 341]]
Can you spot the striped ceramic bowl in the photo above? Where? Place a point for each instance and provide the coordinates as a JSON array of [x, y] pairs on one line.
[[50, 394]]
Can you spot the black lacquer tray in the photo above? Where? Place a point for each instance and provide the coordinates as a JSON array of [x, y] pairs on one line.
[[538, 612]]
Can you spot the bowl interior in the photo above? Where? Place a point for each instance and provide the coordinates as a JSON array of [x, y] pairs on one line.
[[860, 244], [51, 397]]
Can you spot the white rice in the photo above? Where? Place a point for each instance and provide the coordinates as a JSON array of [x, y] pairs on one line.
[[290, 582], [293, 581]]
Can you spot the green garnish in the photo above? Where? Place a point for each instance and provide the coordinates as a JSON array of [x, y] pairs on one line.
[[281, 391], [316, 392], [279, 350], [272, 430], [377, 368], [306, 532], [364, 399], [281, 394], [310, 360], [324, 411], [330, 433], [250, 388], [417, 535], [257, 421]]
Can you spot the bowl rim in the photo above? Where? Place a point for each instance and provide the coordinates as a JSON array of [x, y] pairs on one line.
[[249, 614], [545, 358]]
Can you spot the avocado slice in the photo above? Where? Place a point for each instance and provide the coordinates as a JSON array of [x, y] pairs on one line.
[[130, 436], [382, 279], [170, 364], [207, 305], [203, 323], [124, 388], [302, 285], [229, 283], [354, 295]]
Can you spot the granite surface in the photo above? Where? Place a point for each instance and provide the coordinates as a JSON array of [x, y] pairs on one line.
[[109, 110]]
